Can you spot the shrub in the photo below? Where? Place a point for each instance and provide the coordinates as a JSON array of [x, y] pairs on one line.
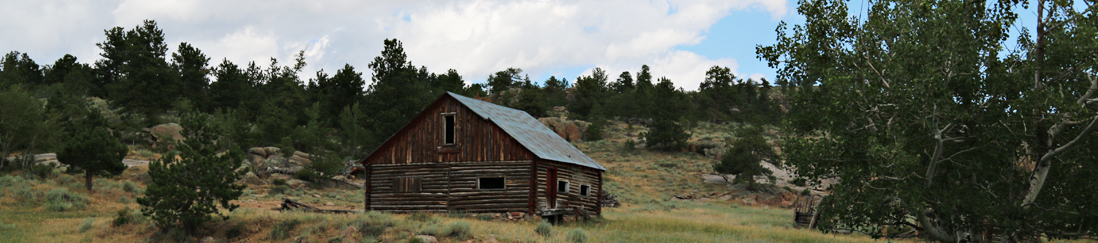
[[629, 145], [8, 181], [278, 182], [416, 239], [435, 230], [24, 193], [460, 229], [594, 130], [325, 165], [122, 217], [42, 171], [4, 226], [372, 224], [60, 199], [800, 182], [577, 236], [129, 186], [145, 153], [544, 229], [335, 239], [372, 230], [235, 231], [64, 179], [484, 217], [86, 225], [420, 216], [282, 229]]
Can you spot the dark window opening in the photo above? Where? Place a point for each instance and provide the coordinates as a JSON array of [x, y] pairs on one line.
[[448, 138], [491, 183], [562, 186], [585, 190], [407, 184]]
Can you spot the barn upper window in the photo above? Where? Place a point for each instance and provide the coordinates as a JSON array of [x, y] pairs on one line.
[[585, 190], [448, 129], [491, 183]]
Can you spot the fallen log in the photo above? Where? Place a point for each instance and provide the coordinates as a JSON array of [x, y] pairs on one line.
[[343, 180], [289, 204]]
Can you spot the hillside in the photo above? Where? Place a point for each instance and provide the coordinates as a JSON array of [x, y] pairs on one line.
[[665, 198]]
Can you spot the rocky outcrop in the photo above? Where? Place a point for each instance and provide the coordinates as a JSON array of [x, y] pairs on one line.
[[46, 159], [571, 130], [300, 159], [166, 133], [265, 159]]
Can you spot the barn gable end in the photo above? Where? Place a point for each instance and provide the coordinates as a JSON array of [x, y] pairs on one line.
[[477, 139]]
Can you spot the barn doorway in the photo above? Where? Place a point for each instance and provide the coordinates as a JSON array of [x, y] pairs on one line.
[[551, 188]]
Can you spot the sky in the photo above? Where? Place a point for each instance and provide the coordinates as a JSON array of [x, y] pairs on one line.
[[679, 40]]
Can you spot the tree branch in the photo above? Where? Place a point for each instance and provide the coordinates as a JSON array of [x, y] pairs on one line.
[[1065, 147], [1037, 180], [1090, 91], [936, 157]]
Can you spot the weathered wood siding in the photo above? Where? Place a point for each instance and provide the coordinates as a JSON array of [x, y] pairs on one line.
[[576, 175], [464, 195], [433, 196], [451, 186], [477, 140]]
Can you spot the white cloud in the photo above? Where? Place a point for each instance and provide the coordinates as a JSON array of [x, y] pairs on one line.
[[243, 46], [480, 37], [685, 69], [474, 37]]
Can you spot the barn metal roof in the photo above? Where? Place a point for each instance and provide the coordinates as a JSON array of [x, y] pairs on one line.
[[535, 136]]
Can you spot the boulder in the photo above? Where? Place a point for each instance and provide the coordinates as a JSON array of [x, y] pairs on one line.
[[243, 166], [750, 200], [277, 162], [428, 238], [255, 159], [208, 239], [134, 162], [251, 179], [49, 159], [491, 240], [571, 130], [261, 152], [166, 132], [301, 154], [272, 151], [558, 111], [295, 183], [300, 159]]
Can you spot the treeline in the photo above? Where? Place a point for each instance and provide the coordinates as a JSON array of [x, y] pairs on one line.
[[271, 104]]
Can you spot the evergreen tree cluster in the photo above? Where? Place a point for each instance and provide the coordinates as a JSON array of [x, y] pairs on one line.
[[271, 104]]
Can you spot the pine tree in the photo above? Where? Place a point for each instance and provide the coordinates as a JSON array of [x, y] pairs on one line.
[[668, 106], [93, 150], [188, 191], [744, 157]]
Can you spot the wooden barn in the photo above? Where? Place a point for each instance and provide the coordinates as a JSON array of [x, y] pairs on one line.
[[466, 155]]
